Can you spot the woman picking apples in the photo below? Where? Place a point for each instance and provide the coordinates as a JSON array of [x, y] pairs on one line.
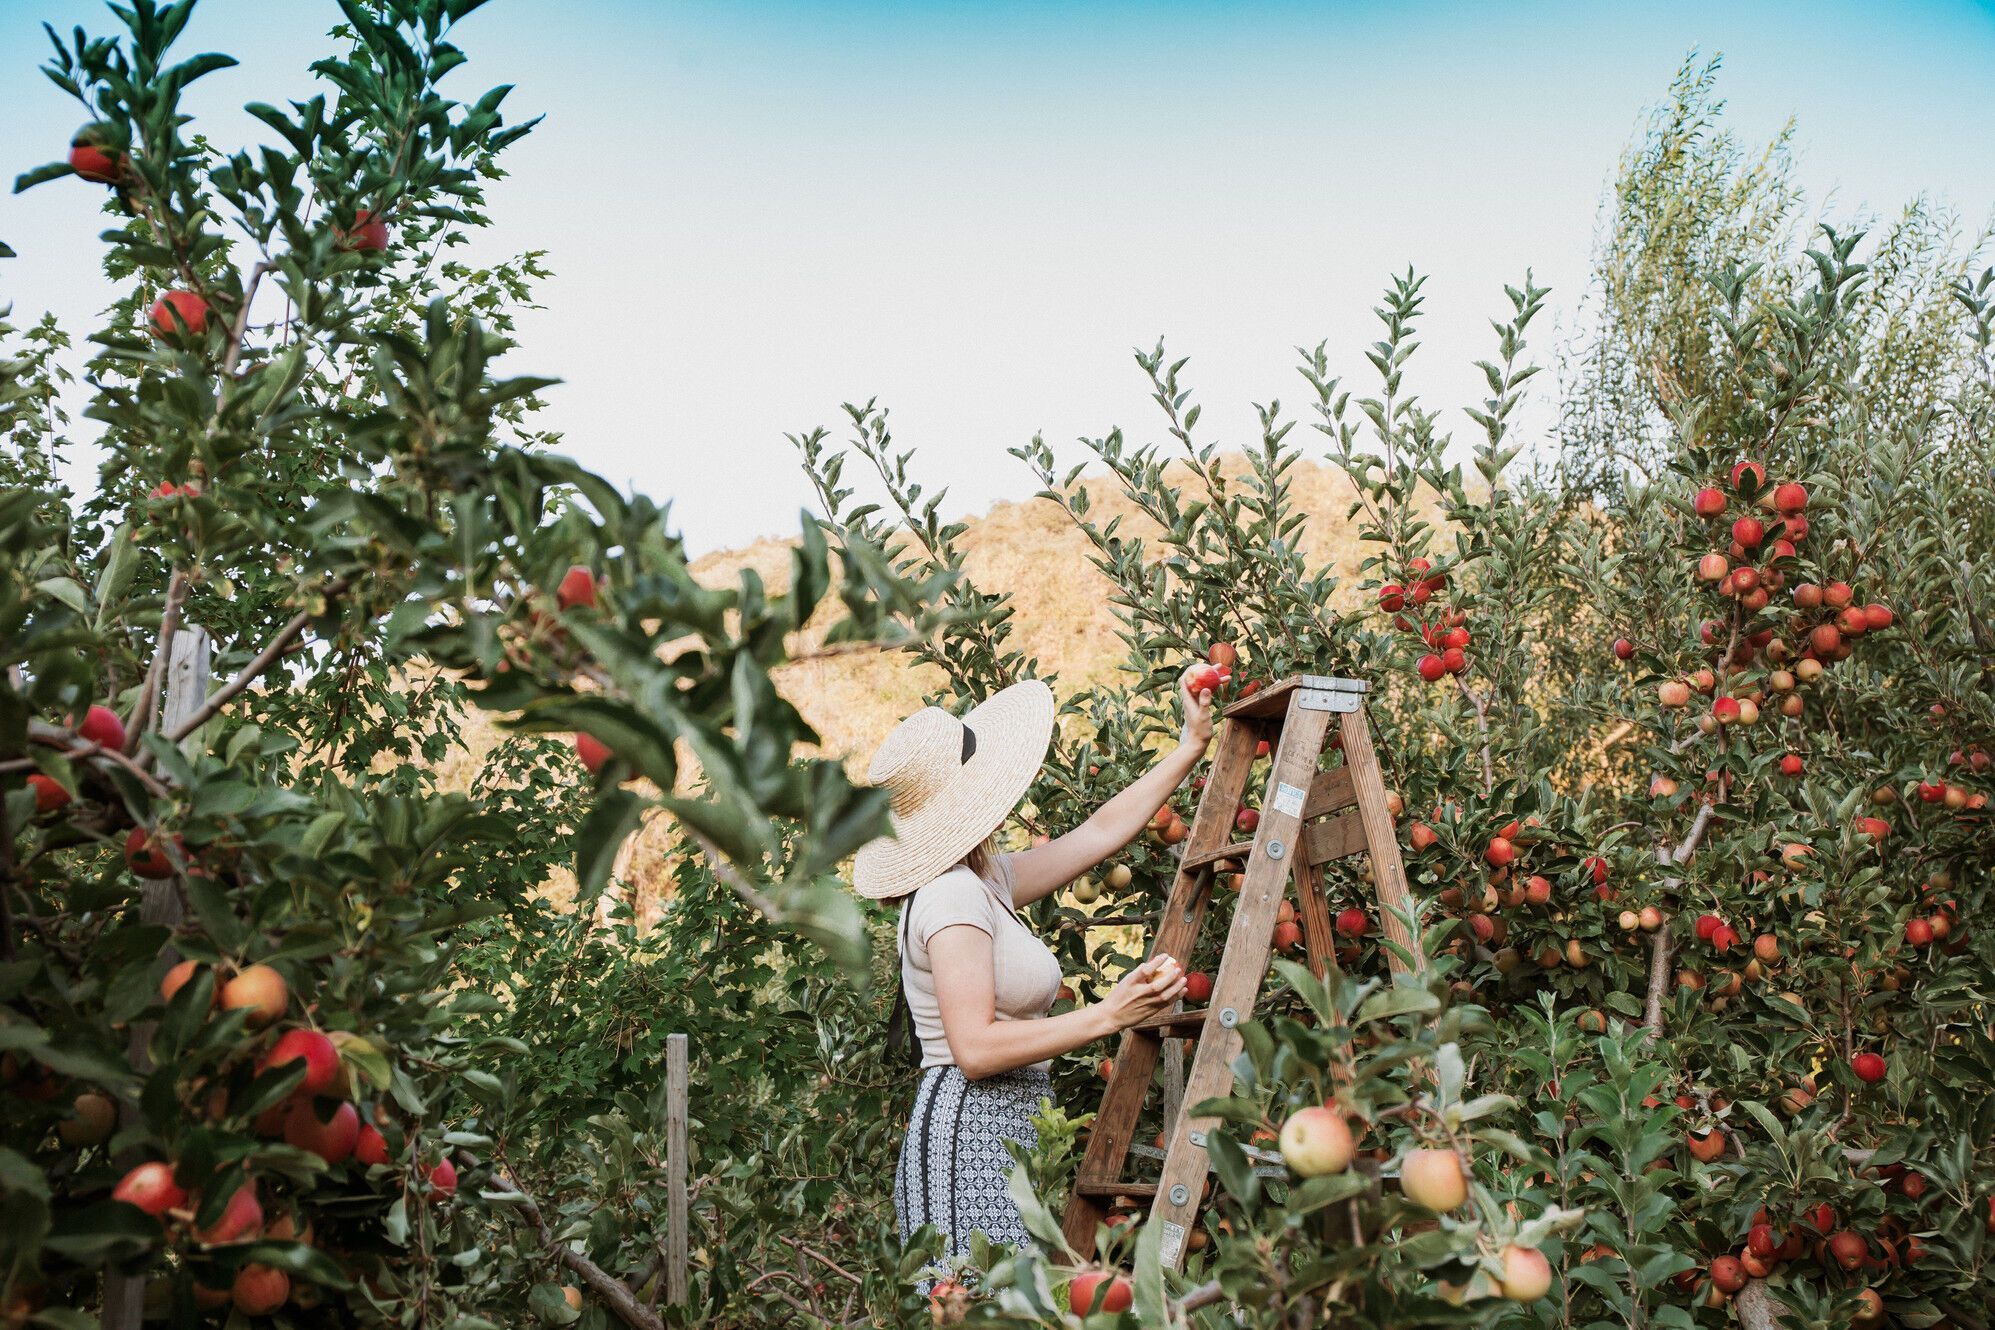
[[976, 982]]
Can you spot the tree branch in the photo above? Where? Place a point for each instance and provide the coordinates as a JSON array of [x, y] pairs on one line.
[[1203, 1296], [280, 645], [169, 623], [616, 1299], [1659, 946]]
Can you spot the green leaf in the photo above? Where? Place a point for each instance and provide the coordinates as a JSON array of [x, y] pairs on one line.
[[104, 1230], [602, 833], [1039, 1221], [1149, 1281]]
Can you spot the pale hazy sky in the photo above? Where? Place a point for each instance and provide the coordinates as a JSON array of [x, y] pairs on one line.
[[757, 211]]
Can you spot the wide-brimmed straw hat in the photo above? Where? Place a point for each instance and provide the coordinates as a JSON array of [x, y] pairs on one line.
[[953, 782]]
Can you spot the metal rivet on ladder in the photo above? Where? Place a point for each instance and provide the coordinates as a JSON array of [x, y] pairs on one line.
[[1276, 849], [1198, 1139], [1228, 1017], [1180, 1194]]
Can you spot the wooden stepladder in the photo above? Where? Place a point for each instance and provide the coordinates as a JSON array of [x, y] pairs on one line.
[[1309, 816]]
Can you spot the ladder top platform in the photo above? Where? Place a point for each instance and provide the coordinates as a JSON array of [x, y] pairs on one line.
[[1274, 699]]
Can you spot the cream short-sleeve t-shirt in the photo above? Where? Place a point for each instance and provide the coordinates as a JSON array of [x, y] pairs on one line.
[[1027, 972]]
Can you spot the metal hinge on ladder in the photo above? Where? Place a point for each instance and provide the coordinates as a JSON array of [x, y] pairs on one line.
[[1320, 693]]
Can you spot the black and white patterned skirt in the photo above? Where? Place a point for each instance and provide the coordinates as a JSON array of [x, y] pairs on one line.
[[953, 1163]]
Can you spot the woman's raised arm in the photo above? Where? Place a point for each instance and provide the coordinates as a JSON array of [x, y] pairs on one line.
[[1044, 869]]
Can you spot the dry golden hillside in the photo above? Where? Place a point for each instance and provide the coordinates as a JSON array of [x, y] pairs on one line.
[[1027, 549], [1031, 551]]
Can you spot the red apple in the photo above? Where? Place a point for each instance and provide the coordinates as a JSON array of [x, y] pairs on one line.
[[1198, 986], [1223, 655], [1790, 497], [1623, 649], [1727, 1274], [315, 1050], [1713, 567], [260, 1290], [177, 308], [1499, 852], [176, 978], [1748, 470], [241, 1219], [1869, 1068], [50, 794], [151, 1188], [90, 161], [92, 1118], [333, 1139], [370, 1147], [1247, 819], [593, 752], [1790, 765], [1203, 679], [102, 727], [1749, 532], [1708, 502], [1877, 617], [146, 855], [1353, 922], [578, 587], [368, 233], [1099, 1291], [260, 990], [1392, 597], [1918, 932], [442, 1179]]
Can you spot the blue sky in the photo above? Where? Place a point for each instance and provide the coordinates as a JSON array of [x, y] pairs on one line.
[[756, 211]]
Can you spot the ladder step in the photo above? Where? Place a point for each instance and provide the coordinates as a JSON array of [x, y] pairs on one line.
[[1237, 850], [1135, 1191], [1172, 1021]]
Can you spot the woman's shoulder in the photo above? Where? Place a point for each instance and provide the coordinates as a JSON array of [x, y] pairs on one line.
[[957, 896]]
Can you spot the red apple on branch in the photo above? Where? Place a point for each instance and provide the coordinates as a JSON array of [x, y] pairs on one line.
[[179, 313], [315, 1050], [151, 1188], [102, 727]]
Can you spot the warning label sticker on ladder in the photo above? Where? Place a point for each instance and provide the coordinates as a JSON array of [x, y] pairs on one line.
[[1173, 1243], [1288, 799]]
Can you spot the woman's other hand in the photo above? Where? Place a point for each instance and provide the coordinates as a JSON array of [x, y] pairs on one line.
[[1146, 991], [1197, 707]]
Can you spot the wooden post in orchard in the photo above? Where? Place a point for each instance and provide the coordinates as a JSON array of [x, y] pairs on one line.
[[189, 655], [675, 1170]]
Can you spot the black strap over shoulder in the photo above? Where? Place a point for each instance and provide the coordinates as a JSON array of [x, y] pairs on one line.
[[900, 1025]]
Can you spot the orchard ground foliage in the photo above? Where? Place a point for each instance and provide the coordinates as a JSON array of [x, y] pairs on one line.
[[1686, 706]]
